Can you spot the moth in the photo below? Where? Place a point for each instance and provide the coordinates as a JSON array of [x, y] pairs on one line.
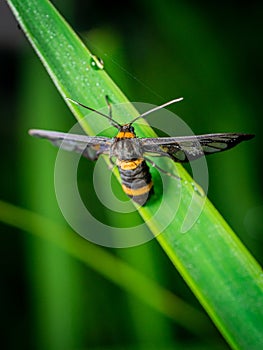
[[131, 153]]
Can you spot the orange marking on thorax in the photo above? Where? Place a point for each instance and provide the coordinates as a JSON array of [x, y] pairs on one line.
[[125, 135]]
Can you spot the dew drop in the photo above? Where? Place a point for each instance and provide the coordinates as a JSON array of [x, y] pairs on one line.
[[96, 63], [198, 189]]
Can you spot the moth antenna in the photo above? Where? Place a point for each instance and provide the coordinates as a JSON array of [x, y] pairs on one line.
[[109, 117], [157, 108]]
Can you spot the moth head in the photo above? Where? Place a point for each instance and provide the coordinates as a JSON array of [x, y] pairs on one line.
[[127, 128]]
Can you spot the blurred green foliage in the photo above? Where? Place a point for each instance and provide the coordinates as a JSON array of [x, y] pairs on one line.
[[209, 54]]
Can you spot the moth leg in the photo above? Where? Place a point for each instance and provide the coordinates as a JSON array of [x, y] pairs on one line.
[[163, 171], [109, 106], [112, 164]]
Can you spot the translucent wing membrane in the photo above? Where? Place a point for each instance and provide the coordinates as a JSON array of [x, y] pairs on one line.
[[89, 146], [187, 148]]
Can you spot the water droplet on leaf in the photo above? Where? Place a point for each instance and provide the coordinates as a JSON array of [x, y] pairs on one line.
[[96, 62], [198, 189]]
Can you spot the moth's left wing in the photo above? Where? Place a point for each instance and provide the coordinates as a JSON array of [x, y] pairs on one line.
[[89, 146], [186, 148]]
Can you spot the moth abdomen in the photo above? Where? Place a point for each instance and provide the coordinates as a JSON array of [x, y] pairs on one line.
[[136, 179]]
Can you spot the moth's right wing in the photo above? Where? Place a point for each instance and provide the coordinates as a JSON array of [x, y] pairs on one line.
[[89, 146], [187, 148]]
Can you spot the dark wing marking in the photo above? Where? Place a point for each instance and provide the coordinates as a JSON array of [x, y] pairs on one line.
[[186, 148], [89, 146]]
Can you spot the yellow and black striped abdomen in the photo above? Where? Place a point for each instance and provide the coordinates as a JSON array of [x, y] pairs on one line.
[[136, 179]]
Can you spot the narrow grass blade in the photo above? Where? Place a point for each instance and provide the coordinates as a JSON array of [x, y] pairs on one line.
[[107, 264]]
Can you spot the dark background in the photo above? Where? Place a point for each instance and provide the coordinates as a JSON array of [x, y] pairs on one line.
[[155, 51]]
